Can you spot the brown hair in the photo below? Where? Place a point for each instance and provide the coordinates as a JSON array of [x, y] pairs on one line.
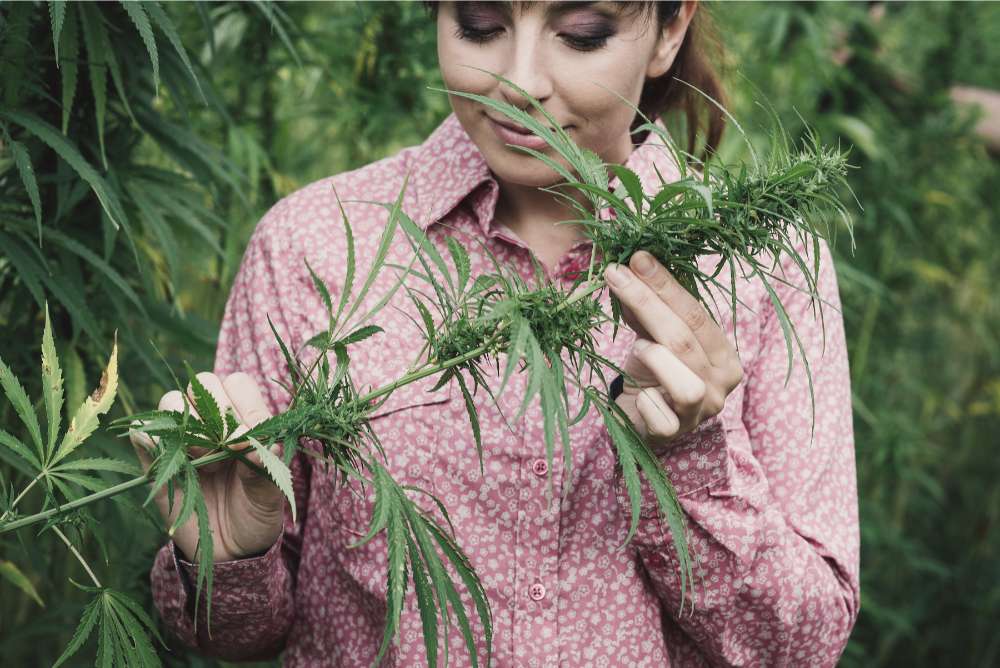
[[693, 65]]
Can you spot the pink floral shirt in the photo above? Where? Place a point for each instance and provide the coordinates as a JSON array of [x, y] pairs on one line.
[[772, 520]]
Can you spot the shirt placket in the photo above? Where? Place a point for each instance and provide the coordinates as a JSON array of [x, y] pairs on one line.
[[537, 586]]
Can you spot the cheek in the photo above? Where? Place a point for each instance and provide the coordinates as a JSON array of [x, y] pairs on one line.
[[603, 116]]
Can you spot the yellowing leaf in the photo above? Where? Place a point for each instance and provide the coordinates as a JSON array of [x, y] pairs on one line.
[[85, 420]]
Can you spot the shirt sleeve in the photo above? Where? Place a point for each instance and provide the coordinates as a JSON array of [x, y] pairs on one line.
[[772, 518], [252, 598]]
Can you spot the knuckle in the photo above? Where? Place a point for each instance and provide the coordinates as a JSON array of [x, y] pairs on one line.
[[691, 393], [696, 318], [683, 346]]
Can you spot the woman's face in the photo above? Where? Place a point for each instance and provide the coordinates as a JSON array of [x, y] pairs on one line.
[[561, 53]]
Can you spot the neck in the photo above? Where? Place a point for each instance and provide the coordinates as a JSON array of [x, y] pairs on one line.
[[539, 217]]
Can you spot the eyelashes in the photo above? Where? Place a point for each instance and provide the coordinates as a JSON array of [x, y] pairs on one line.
[[580, 43]]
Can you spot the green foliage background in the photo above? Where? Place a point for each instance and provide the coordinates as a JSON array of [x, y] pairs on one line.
[[255, 100]]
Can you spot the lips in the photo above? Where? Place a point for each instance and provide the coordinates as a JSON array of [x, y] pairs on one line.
[[513, 127]]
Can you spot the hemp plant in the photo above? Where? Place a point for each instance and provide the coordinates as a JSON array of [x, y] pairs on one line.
[[746, 215]]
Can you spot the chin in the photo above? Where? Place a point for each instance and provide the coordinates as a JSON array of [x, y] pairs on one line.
[[523, 169]]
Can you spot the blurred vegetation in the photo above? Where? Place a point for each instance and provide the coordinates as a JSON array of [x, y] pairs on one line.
[[136, 159]]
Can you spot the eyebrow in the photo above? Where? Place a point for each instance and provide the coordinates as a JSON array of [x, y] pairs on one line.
[[552, 9]]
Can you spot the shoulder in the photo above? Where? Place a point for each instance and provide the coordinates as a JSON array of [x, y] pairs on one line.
[[309, 220]]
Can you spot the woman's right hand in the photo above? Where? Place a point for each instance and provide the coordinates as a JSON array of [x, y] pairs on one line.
[[245, 508]]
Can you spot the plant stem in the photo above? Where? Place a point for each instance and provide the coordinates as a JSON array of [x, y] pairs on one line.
[[222, 455], [21, 495], [78, 556]]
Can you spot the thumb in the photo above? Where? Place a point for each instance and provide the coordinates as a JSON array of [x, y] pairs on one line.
[[144, 445]]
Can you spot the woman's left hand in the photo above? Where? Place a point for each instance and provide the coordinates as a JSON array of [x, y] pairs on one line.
[[683, 362]]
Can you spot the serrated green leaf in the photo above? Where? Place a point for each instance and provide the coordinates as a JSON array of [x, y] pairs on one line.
[[207, 407], [12, 574], [321, 288], [192, 489], [472, 585], [68, 66], [462, 263], [276, 469], [632, 185], [85, 420], [167, 27], [348, 286], [470, 408], [22, 406], [360, 334], [83, 630], [27, 172], [20, 449], [57, 14], [95, 37], [396, 579], [99, 464], [425, 602], [172, 457], [206, 560], [50, 136], [140, 19]]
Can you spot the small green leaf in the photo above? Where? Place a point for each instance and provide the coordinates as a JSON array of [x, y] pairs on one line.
[[13, 575], [206, 560], [15, 394], [95, 36], [57, 14], [68, 152], [360, 334], [27, 172], [167, 27], [68, 66], [462, 263], [276, 469], [99, 464], [140, 19], [173, 455], [207, 407], [83, 629]]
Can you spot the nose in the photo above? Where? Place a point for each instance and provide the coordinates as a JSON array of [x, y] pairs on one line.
[[528, 69]]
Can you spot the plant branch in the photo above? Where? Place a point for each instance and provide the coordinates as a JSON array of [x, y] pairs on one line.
[[79, 557]]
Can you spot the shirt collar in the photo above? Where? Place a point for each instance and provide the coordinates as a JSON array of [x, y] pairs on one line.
[[449, 168]]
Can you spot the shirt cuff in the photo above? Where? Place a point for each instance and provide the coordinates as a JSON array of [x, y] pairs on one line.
[[229, 576], [692, 461]]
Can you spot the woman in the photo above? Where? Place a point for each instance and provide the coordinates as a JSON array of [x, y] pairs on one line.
[[772, 520]]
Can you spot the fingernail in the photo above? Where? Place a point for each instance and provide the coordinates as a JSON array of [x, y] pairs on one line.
[[644, 264], [617, 275]]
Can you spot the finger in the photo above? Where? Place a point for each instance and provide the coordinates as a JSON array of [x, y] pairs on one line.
[[684, 389], [661, 421], [144, 445], [246, 398], [174, 401], [658, 321], [688, 309], [215, 388]]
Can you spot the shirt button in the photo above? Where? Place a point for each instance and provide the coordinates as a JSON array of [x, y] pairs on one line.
[[540, 467], [536, 591]]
